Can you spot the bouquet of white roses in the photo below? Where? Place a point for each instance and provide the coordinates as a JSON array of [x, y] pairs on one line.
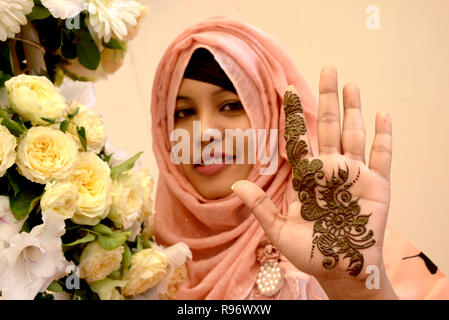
[[75, 217], [83, 39]]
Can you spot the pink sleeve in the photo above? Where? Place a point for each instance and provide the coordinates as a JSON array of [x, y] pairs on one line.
[[412, 274]]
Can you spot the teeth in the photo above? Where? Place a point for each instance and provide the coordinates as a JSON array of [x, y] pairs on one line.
[[212, 161]]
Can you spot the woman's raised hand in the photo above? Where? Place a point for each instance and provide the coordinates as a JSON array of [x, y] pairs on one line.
[[335, 231]]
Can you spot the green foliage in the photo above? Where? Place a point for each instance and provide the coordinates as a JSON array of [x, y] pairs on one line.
[[68, 48], [24, 195], [114, 241], [55, 287], [115, 44], [64, 125], [125, 166], [82, 136], [87, 51], [6, 65], [38, 13], [102, 230], [86, 239], [14, 127]]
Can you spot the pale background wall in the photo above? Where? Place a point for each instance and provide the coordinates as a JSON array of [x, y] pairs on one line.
[[401, 68]]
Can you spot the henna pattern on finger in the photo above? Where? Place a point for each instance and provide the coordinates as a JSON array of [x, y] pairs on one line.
[[339, 227]]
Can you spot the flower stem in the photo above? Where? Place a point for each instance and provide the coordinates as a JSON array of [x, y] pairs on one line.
[[34, 52]]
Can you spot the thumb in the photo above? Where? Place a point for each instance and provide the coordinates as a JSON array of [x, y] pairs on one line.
[[261, 206]]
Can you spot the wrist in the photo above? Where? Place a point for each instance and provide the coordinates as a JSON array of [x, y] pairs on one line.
[[375, 287]]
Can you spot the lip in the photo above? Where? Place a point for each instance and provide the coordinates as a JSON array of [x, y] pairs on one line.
[[210, 169], [214, 167]]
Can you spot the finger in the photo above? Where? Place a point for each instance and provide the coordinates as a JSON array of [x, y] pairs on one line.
[[353, 133], [328, 113], [381, 151], [297, 140], [262, 207]]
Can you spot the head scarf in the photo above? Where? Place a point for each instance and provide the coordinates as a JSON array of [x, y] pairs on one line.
[[222, 234], [203, 67]]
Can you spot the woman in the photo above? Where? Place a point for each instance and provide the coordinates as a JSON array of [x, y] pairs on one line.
[[238, 81]]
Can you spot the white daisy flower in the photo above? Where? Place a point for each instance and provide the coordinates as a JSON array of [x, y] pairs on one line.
[[110, 18], [12, 13], [64, 9]]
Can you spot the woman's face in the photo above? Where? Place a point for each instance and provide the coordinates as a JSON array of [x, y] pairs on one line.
[[218, 109]]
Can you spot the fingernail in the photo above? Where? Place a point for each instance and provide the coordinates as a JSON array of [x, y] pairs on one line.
[[233, 185]]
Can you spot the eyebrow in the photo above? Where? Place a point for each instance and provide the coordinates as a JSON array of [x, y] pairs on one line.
[[214, 93]]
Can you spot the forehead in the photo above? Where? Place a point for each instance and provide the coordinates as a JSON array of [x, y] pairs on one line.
[[191, 89]]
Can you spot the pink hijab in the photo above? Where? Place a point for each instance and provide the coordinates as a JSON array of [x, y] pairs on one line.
[[222, 234]]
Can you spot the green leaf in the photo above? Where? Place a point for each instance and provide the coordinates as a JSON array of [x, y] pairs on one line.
[[74, 113], [6, 64], [19, 120], [115, 44], [49, 120], [139, 244], [87, 51], [103, 230], [126, 260], [146, 244], [12, 181], [3, 78], [69, 225], [82, 136], [64, 125], [112, 242], [125, 166], [116, 275], [68, 48], [26, 227], [88, 238], [11, 125], [55, 287], [106, 288], [23, 203], [38, 13]]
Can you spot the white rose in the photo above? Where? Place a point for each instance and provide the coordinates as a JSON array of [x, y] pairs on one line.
[[127, 200], [92, 123], [60, 198], [147, 183], [92, 178], [35, 98], [148, 227], [46, 154], [8, 154], [97, 263], [148, 267]]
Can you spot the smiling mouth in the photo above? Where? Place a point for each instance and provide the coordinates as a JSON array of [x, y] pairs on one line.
[[221, 159]]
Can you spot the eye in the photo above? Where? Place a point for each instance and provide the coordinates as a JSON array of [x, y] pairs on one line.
[[232, 106], [184, 113]]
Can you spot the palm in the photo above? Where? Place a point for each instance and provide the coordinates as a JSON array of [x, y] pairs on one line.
[[336, 228]]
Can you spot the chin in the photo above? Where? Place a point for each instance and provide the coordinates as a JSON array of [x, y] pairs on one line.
[[218, 185], [213, 193]]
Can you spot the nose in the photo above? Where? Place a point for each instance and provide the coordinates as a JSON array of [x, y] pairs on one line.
[[211, 128]]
